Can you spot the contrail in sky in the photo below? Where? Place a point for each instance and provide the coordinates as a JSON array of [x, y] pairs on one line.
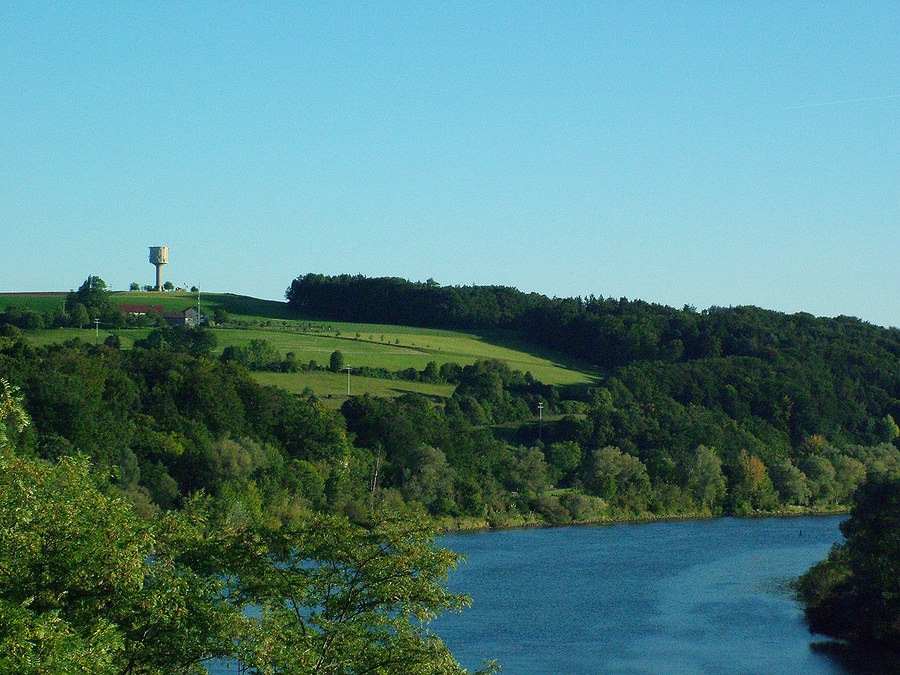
[[843, 102]]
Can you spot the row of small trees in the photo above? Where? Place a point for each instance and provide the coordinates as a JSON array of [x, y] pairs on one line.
[[167, 286]]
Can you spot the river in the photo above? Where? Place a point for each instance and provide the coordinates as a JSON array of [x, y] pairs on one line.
[[703, 596], [709, 596]]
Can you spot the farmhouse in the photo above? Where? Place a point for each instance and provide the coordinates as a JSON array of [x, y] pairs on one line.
[[187, 317]]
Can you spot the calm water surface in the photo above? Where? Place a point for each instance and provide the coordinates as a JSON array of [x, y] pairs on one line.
[[679, 597]]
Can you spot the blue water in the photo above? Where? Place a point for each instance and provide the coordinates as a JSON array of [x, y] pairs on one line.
[[677, 597], [707, 596]]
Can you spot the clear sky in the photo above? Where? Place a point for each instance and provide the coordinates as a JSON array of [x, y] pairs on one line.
[[720, 153]]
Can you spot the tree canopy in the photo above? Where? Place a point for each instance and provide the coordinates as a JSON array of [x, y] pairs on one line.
[[854, 594], [87, 585]]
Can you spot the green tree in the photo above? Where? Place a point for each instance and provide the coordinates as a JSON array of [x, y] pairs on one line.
[[564, 458], [134, 286], [337, 361], [336, 598], [705, 479], [618, 478], [220, 315], [86, 586], [429, 480], [261, 355], [93, 294], [13, 417], [854, 594], [820, 476], [849, 473], [79, 315], [790, 483]]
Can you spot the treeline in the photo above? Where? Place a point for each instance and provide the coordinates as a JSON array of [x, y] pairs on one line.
[[801, 374], [401, 302], [171, 420], [606, 332], [793, 409]]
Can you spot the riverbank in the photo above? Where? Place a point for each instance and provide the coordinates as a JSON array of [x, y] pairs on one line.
[[533, 520]]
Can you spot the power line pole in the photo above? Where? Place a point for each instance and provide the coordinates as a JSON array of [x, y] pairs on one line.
[[540, 420], [347, 368]]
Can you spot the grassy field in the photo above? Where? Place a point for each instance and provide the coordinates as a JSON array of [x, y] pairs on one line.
[[238, 306], [43, 302], [331, 388], [377, 346], [393, 349]]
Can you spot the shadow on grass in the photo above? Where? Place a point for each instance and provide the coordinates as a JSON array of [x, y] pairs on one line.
[[517, 341], [437, 398]]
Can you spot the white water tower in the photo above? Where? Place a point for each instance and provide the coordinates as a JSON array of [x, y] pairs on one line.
[[159, 256]]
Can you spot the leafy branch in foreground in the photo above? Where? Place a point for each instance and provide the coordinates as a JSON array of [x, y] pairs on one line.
[[339, 598], [88, 586]]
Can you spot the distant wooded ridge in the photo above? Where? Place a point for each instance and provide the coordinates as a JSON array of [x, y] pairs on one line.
[[605, 331]]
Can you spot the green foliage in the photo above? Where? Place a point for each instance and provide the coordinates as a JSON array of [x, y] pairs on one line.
[[790, 483], [338, 598], [854, 594], [705, 480], [619, 478], [92, 294], [86, 586], [13, 417], [564, 458], [79, 315], [193, 340], [336, 363]]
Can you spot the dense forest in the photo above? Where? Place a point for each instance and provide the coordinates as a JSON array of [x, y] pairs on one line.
[[159, 510], [793, 409]]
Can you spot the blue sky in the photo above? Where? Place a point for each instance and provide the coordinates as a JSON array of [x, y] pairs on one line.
[[720, 153]]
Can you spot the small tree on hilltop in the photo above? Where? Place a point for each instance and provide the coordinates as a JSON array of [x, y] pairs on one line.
[[337, 361], [92, 294]]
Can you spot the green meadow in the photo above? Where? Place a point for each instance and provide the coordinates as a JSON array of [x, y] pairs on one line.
[[331, 388], [393, 348]]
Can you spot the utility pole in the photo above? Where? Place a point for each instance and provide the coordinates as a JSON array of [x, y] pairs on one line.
[[347, 368], [97, 330], [540, 420]]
